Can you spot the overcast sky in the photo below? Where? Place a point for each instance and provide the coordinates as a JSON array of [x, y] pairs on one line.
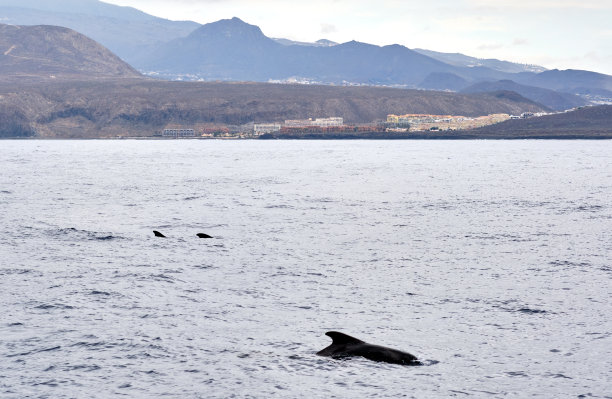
[[553, 33]]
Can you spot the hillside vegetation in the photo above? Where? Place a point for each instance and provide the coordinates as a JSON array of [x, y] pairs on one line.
[[144, 107]]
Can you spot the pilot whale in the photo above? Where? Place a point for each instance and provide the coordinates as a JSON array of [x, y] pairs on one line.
[[158, 234], [344, 346], [203, 235]]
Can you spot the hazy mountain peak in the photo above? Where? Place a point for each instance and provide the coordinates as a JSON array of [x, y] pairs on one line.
[[229, 28]]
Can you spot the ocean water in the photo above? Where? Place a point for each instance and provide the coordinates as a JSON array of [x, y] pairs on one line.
[[491, 261]]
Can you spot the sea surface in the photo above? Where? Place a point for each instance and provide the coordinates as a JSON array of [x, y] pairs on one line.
[[491, 261]]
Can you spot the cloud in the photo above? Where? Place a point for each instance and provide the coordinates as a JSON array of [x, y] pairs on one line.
[[520, 42], [490, 46], [328, 28], [545, 4]]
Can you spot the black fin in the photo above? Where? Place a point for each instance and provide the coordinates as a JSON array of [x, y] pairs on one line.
[[203, 235], [158, 234], [339, 338]]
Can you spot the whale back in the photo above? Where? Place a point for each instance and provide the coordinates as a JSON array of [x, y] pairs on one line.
[[343, 346]]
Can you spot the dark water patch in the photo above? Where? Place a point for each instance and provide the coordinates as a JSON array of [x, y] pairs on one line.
[[17, 324], [5, 192]]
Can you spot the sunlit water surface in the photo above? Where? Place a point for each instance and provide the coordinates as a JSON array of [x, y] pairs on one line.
[[490, 261]]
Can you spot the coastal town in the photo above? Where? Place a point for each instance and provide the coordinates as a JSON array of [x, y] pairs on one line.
[[406, 123]]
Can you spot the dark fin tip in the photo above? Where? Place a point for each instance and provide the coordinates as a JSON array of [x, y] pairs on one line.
[[341, 338]]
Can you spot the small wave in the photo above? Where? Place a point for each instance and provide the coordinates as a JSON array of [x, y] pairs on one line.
[[531, 311], [96, 292], [281, 206], [589, 208], [83, 367], [568, 263], [7, 272], [50, 383], [193, 197], [48, 306], [517, 374], [78, 234], [35, 351], [558, 375]]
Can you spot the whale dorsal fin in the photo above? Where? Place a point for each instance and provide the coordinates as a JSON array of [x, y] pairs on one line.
[[339, 338]]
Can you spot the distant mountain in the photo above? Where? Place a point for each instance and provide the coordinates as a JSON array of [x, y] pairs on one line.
[[570, 80], [234, 50], [45, 52], [551, 99], [444, 81], [125, 31], [461, 60], [318, 43]]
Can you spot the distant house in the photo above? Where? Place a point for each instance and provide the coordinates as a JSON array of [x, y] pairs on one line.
[[177, 133]]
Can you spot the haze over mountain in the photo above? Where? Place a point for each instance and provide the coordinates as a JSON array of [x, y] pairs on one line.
[[236, 51], [459, 59], [124, 30], [232, 50]]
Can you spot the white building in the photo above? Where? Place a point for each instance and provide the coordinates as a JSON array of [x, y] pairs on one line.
[[298, 123], [319, 122], [263, 128], [328, 122]]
